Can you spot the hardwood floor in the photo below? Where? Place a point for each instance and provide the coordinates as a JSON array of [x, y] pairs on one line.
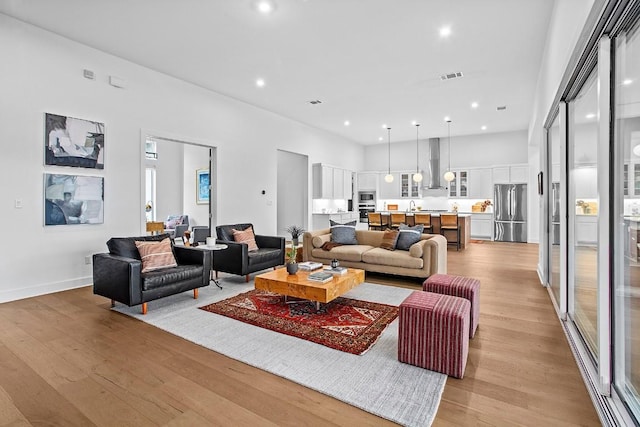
[[66, 359]]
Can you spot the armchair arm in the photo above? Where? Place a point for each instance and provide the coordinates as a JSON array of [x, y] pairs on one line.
[[117, 278], [234, 259], [270, 242], [193, 255]]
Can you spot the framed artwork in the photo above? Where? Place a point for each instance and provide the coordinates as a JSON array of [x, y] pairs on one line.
[[73, 142], [202, 186], [73, 199]]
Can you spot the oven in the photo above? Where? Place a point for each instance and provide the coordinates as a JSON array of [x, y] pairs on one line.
[[364, 211]]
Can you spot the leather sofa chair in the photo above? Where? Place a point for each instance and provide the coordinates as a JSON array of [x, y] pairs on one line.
[[117, 274], [237, 259]]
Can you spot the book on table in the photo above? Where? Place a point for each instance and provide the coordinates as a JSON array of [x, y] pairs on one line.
[[320, 276], [309, 265], [338, 271]]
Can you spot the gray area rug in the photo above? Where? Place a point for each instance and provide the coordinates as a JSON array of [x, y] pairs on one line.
[[375, 381]]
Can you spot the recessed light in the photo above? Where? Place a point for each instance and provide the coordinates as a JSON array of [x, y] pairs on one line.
[[447, 119], [445, 31], [265, 6], [347, 123], [627, 82], [590, 116], [413, 123], [384, 126], [380, 138], [483, 127], [260, 82], [474, 105]]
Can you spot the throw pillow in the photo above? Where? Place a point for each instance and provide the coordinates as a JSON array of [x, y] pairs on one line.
[[156, 255], [389, 240], [246, 236], [343, 233], [408, 236]]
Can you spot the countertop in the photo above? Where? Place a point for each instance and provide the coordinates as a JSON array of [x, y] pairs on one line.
[[423, 212]]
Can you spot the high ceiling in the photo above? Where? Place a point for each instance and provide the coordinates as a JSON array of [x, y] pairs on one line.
[[371, 62]]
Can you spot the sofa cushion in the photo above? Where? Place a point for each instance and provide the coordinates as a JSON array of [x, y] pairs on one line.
[[126, 246], [397, 258], [225, 232], [389, 240], [408, 236], [156, 255], [168, 276], [351, 253], [246, 236], [344, 233]]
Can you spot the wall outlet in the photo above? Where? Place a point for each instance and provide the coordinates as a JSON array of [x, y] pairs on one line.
[[87, 259]]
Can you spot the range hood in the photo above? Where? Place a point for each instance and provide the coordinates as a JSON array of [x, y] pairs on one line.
[[434, 187]]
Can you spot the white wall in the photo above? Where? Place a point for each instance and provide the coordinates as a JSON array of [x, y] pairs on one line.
[[169, 175], [567, 21], [292, 191], [42, 72], [467, 151]]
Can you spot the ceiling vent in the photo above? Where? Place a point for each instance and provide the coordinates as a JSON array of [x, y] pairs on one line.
[[451, 76], [501, 108], [315, 102]]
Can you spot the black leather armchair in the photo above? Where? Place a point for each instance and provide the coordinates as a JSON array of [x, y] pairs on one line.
[[117, 274], [237, 259]]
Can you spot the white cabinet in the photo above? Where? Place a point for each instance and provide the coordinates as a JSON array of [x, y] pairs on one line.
[[518, 174], [480, 184], [482, 225], [348, 184], [322, 181], [631, 180], [367, 181], [408, 187], [587, 229], [555, 173], [459, 187], [338, 184], [388, 190], [322, 221], [586, 182]]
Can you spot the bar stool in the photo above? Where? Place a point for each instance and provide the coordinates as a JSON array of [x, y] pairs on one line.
[[425, 220], [397, 219], [449, 222], [375, 220]]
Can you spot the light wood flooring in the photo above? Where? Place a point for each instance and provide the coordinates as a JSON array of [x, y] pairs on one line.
[[66, 359]]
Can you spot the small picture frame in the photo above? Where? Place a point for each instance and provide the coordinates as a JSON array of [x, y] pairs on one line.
[[203, 186]]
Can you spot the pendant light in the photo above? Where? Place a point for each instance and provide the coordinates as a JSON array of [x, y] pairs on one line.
[[448, 175], [389, 177], [417, 177]]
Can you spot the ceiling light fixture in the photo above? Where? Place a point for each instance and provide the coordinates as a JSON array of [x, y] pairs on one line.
[[448, 175], [590, 116], [445, 31], [417, 177], [260, 82], [447, 119], [389, 178], [265, 6], [347, 122], [627, 82], [474, 105], [483, 128]]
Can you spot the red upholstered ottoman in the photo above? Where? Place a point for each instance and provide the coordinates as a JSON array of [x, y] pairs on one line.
[[458, 286], [434, 332]]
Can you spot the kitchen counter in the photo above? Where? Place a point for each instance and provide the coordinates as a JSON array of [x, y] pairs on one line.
[[464, 221], [321, 220]]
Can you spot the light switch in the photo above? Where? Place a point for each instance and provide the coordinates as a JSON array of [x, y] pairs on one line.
[[18, 203]]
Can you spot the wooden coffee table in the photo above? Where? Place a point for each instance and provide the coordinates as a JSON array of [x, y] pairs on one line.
[[298, 286]]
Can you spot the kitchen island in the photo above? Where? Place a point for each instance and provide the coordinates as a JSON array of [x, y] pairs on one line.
[[464, 222]]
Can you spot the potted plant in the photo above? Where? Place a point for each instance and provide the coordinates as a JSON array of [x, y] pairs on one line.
[[292, 265], [295, 232]]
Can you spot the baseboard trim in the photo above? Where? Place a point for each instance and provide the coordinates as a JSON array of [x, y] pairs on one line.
[[43, 289]]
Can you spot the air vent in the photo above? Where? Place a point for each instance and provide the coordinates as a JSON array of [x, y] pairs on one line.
[[501, 108], [451, 76], [315, 102]]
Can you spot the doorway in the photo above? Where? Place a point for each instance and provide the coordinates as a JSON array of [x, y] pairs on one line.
[[293, 191]]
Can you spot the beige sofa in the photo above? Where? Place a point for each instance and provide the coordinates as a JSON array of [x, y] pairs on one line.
[[424, 258]]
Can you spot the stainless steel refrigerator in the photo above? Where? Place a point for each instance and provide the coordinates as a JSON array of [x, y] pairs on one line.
[[510, 212]]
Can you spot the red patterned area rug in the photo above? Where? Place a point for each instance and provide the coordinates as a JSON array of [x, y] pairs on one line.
[[345, 324]]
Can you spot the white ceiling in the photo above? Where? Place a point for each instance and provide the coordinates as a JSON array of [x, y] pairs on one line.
[[371, 62]]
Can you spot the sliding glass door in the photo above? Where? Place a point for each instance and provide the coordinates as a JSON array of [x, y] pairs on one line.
[[554, 194], [627, 218]]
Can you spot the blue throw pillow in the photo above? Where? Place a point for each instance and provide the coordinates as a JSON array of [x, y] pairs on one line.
[[408, 236], [344, 233]]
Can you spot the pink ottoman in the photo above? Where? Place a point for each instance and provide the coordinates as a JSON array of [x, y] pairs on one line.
[[458, 286], [434, 332]]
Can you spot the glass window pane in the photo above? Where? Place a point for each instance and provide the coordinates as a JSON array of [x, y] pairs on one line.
[[554, 208], [583, 181], [627, 283]]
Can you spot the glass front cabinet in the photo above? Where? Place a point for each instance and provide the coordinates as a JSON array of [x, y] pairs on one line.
[[459, 187]]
